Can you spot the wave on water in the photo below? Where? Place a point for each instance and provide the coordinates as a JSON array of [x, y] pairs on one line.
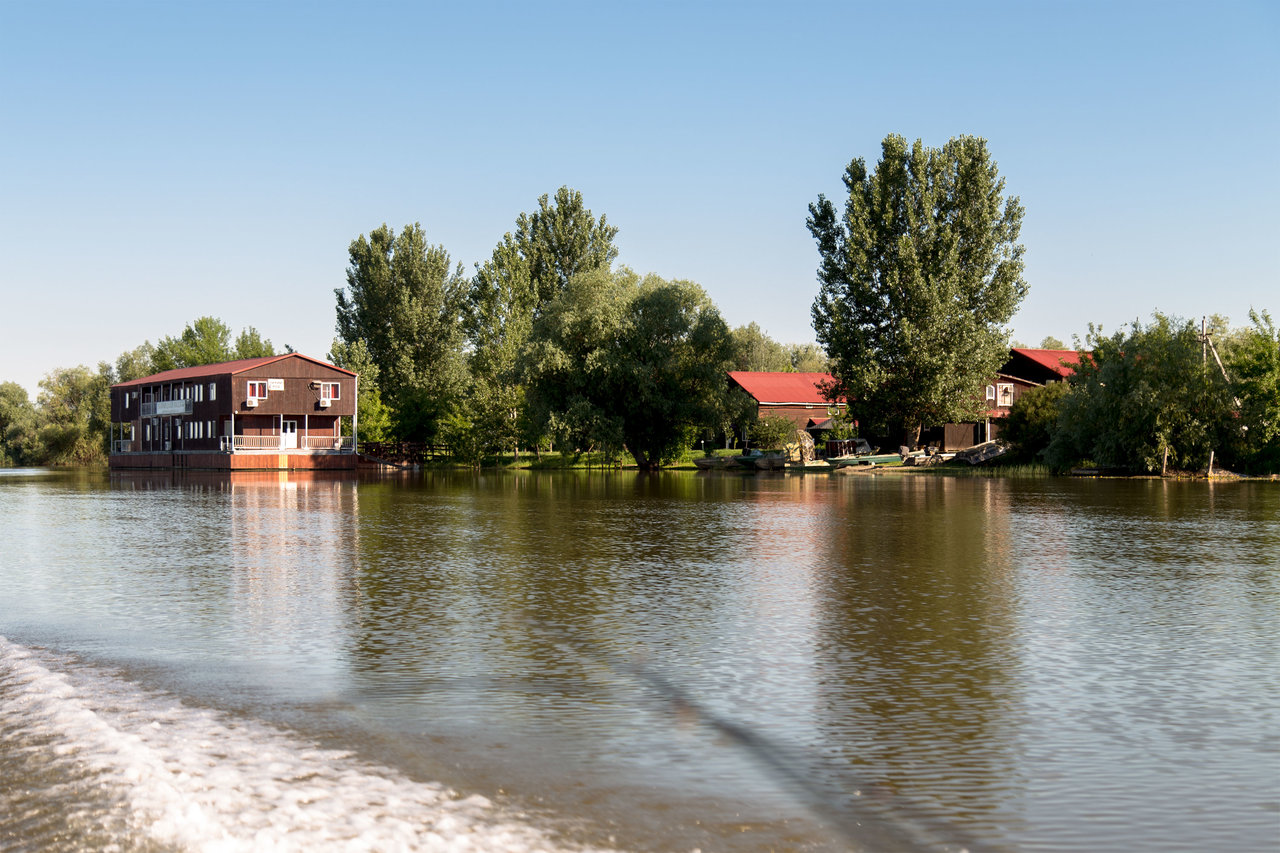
[[89, 761]]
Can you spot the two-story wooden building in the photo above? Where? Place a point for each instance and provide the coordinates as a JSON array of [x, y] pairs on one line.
[[270, 413]]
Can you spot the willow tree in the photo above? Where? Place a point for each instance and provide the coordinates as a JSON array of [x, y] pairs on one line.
[[616, 361], [918, 278]]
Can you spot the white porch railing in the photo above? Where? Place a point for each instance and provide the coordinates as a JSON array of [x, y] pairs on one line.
[[326, 442], [230, 444]]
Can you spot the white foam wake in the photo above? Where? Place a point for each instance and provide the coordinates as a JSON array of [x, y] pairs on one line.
[[203, 780]]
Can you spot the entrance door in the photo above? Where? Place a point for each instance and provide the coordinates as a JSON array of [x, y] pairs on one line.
[[288, 435]]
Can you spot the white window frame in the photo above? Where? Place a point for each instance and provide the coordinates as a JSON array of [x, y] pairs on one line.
[[991, 393], [1004, 394], [261, 386], [213, 391], [330, 391]]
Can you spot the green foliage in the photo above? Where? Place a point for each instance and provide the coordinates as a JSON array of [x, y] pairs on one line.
[[754, 350], [616, 361], [918, 277], [249, 344], [1253, 361], [1031, 422], [558, 241], [771, 432], [19, 443], [1142, 391], [1050, 342], [404, 304], [207, 340], [136, 363], [527, 269], [807, 358], [373, 417], [75, 415]]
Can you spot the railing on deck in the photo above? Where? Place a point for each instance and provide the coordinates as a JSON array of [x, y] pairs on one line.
[[122, 445], [339, 443], [166, 407]]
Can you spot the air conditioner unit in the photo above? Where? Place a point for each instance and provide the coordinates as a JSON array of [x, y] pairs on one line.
[[324, 404], [251, 403]]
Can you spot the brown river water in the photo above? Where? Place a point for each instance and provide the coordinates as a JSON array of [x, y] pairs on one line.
[[672, 662]]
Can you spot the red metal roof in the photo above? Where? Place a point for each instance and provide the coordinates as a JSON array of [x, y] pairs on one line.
[[783, 388], [1052, 359], [220, 369]]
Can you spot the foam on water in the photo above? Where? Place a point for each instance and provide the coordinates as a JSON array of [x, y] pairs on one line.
[[169, 775]]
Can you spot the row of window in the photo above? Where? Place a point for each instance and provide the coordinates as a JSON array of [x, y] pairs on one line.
[[176, 392], [185, 429], [257, 389]]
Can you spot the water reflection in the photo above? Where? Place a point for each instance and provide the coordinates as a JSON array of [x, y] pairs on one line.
[[1014, 662]]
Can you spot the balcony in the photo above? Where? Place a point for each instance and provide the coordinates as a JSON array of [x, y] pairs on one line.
[[331, 443], [166, 407]]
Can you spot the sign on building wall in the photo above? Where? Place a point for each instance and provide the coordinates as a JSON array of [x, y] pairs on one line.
[[275, 384]]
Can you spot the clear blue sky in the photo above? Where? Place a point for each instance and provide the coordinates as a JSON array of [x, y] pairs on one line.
[[161, 161]]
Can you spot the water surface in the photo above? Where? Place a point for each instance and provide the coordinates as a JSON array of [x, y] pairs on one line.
[[670, 662]]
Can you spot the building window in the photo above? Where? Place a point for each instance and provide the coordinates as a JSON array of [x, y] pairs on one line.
[[199, 393], [1004, 394], [213, 390], [330, 391], [257, 390], [991, 393]]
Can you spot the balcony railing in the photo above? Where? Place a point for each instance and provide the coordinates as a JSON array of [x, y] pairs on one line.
[[122, 445], [166, 407], [233, 443]]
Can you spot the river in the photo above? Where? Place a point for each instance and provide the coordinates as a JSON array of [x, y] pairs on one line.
[[672, 662]]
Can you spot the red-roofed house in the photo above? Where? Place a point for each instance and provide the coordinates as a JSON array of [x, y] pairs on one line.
[[794, 395], [1025, 369], [275, 412]]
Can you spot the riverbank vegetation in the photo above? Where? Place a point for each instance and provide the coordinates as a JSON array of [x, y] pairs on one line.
[[549, 350], [1160, 397]]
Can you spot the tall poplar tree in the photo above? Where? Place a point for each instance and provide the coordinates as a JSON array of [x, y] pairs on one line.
[[404, 303], [529, 268], [918, 278]]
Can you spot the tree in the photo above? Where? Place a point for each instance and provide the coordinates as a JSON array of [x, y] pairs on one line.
[[1254, 364], [1141, 392], [807, 358], [616, 361], [527, 269], [136, 363], [1033, 419], [19, 443], [205, 341], [75, 415], [249, 344], [1050, 342], [404, 303], [917, 279], [373, 418], [754, 350], [771, 432], [560, 241]]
